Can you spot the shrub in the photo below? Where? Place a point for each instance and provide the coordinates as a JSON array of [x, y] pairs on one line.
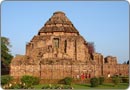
[[116, 80], [68, 80], [101, 80], [125, 79], [94, 82], [61, 81], [6, 79], [36, 80], [30, 80]]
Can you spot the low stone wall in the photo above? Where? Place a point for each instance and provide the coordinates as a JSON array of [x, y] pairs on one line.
[[118, 69], [62, 71]]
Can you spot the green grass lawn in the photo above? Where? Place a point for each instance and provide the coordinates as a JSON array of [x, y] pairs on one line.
[[104, 86], [88, 86]]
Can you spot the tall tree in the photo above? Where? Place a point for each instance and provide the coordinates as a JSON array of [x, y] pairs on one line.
[[5, 55]]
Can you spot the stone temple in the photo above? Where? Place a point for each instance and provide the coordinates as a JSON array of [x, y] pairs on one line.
[[59, 51]]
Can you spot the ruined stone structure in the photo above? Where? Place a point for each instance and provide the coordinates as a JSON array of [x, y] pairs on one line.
[[58, 51]]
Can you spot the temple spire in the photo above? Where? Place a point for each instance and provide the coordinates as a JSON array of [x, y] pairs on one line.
[[58, 23]]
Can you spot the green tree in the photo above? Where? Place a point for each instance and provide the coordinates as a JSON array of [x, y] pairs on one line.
[[5, 79], [101, 80], [116, 80], [94, 82], [5, 54]]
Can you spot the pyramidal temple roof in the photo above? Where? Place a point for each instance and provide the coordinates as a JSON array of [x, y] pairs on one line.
[[58, 23]]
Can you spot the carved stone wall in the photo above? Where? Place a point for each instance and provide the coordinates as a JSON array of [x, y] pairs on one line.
[[58, 51], [119, 69], [110, 60], [62, 71]]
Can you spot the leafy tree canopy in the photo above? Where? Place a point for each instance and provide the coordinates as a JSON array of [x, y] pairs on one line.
[[5, 53]]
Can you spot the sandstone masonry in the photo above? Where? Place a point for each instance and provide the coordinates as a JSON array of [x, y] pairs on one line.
[[58, 51]]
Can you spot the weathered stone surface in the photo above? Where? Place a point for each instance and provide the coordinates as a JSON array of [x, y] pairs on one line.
[[59, 51]]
